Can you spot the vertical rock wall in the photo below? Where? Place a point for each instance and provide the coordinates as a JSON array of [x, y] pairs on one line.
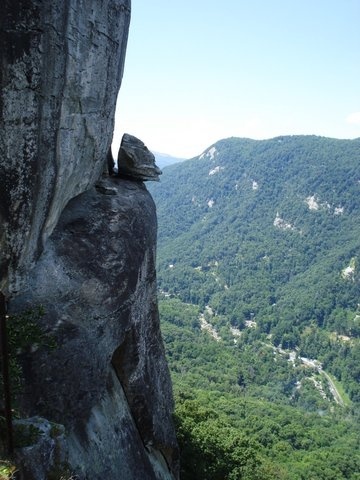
[[106, 380], [61, 68], [86, 254]]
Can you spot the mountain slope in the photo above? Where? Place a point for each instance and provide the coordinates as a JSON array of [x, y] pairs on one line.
[[258, 271], [258, 219], [268, 232]]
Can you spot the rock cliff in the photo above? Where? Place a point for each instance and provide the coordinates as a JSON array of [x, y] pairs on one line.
[[61, 69], [83, 246], [106, 380]]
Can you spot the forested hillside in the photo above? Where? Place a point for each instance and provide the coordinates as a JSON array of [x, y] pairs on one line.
[[258, 272]]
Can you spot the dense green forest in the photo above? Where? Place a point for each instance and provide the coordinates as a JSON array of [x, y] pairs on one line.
[[258, 273]]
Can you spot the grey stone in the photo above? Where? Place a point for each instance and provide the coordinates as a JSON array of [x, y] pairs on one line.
[[111, 170], [105, 189], [46, 453], [136, 161], [107, 380], [86, 253], [61, 69]]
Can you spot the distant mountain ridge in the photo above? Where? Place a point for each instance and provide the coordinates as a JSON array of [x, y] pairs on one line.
[[163, 159], [267, 230], [259, 289]]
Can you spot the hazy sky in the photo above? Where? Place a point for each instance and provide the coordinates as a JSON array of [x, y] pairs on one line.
[[197, 71]]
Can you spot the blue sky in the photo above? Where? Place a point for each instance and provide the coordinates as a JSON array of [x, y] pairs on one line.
[[197, 71]]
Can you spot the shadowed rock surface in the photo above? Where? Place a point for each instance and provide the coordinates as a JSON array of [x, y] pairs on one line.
[[136, 161], [105, 386], [61, 69], [106, 380]]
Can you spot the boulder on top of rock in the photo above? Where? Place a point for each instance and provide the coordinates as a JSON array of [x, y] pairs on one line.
[[136, 161]]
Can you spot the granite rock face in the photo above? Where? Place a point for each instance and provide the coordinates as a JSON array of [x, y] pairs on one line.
[[136, 161], [81, 247], [61, 69], [106, 380]]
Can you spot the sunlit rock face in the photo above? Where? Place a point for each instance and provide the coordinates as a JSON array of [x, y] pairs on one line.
[[62, 64], [106, 380]]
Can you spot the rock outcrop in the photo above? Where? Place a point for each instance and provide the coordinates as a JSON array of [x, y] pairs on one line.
[[61, 69], [136, 161], [106, 380], [82, 246]]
